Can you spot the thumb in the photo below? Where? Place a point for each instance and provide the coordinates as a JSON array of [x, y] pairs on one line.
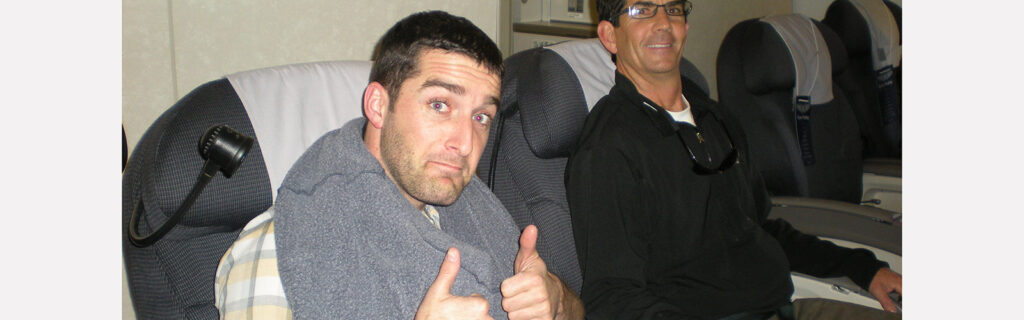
[[442, 285], [527, 249]]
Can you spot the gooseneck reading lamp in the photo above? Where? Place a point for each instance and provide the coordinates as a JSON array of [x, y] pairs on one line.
[[223, 149]]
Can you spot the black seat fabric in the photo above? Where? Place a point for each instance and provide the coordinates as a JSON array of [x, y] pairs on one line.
[[546, 95], [756, 82], [897, 13], [882, 135], [173, 279], [533, 143], [285, 109]]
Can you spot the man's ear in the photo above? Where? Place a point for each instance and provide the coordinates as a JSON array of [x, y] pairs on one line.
[[375, 104], [606, 32]]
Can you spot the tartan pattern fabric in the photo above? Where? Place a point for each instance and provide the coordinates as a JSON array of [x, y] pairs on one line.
[[431, 214], [248, 284]]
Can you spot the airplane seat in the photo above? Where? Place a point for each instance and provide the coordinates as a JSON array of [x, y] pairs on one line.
[[777, 81], [527, 148], [871, 32], [769, 67], [546, 95], [775, 76], [897, 13], [766, 69], [285, 109]]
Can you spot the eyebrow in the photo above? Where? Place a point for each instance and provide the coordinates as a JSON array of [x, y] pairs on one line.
[[492, 101], [653, 4], [454, 88]]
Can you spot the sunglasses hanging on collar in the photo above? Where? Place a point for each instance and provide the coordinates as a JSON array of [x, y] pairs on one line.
[[693, 139]]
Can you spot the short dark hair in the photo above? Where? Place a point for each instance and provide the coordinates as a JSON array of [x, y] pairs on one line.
[[396, 57], [610, 10]]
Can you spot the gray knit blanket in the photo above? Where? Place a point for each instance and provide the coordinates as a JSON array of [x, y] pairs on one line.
[[350, 246]]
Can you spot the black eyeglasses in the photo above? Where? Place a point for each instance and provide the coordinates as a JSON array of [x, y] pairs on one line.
[[646, 9], [693, 136]]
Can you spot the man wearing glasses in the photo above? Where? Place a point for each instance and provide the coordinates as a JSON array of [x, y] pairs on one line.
[[668, 214]]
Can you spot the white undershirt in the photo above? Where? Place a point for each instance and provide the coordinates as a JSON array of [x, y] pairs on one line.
[[685, 115]]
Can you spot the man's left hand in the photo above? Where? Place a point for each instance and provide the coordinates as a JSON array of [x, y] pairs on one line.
[[533, 292], [886, 281]]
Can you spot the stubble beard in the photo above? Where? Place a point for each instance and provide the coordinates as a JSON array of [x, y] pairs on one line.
[[413, 180]]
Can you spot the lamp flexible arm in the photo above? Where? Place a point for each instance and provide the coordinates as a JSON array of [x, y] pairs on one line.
[[197, 189], [224, 149]]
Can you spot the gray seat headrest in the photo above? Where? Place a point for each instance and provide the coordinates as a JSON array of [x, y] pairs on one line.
[[557, 86], [592, 65], [884, 31], [550, 100], [291, 106], [811, 60]]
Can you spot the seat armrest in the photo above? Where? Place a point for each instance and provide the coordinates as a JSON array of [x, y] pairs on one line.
[[890, 167], [839, 289], [840, 220], [882, 183], [882, 191], [843, 282], [835, 207]]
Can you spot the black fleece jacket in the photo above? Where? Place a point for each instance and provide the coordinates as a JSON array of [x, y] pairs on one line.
[[657, 239]]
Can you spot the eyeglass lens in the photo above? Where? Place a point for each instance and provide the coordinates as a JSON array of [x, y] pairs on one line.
[[643, 10]]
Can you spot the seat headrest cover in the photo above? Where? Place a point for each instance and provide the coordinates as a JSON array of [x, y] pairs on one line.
[[551, 103], [291, 106], [690, 71], [836, 48], [884, 31], [592, 65], [556, 86], [811, 59]]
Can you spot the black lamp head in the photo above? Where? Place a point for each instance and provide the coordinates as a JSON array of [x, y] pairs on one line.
[[225, 147]]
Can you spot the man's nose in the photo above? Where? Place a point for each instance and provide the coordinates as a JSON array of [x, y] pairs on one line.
[[661, 18], [460, 137]]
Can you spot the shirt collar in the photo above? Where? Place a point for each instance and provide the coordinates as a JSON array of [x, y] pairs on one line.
[[660, 119]]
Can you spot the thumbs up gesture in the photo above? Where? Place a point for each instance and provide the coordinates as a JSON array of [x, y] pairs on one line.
[[533, 292], [439, 303]]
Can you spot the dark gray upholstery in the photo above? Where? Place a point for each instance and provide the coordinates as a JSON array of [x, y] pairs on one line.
[[173, 279], [859, 78], [543, 107], [550, 131], [690, 72], [756, 78], [533, 147]]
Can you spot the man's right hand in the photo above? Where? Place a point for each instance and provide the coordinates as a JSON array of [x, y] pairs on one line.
[[439, 303], [884, 282]]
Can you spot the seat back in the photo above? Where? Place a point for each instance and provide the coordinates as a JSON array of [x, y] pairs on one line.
[[768, 69], [870, 31], [545, 97], [285, 109]]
